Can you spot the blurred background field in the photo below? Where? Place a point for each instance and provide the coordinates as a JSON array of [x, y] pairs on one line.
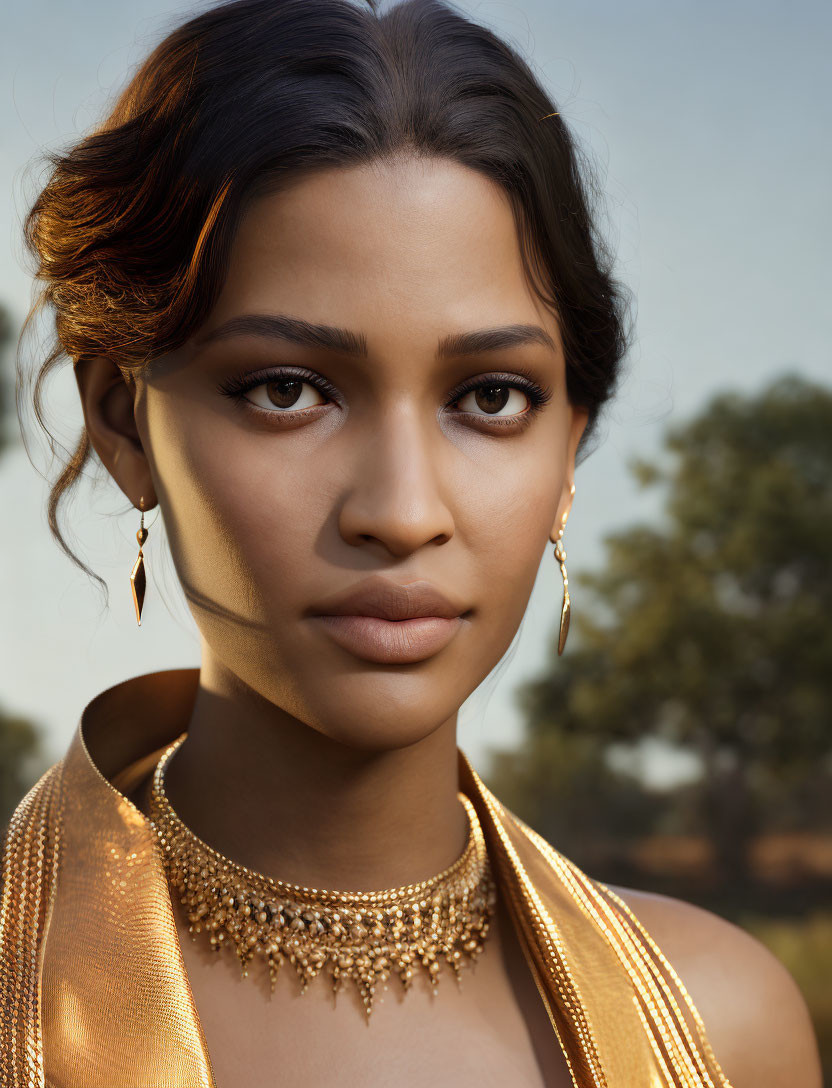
[[681, 744]]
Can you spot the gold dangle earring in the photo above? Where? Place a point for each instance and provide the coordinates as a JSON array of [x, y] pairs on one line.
[[560, 556], [138, 581]]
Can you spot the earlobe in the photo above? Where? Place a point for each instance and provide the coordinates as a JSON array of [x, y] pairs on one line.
[[558, 528], [108, 402]]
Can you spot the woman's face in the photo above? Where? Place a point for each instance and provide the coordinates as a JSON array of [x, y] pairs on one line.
[[291, 468]]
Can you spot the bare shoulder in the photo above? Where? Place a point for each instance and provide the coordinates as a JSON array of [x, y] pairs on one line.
[[755, 1016]]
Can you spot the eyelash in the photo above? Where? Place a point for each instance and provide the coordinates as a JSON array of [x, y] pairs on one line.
[[538, 396]]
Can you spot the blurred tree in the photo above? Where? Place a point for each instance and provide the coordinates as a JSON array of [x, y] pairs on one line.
[[21, 761], [710, 630], [20, 743], [561, 784]]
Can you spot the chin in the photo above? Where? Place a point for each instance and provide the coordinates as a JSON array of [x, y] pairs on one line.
[[378, 712], [365, 706]]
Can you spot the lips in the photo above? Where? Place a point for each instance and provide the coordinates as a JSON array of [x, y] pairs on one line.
[[389, 622], [388, 600]]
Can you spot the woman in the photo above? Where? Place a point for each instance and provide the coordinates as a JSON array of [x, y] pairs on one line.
[[336, 305]]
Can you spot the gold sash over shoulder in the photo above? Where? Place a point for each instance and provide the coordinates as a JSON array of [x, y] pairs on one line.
[[93, 988]]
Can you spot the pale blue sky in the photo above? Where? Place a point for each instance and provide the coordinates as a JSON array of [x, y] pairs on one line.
[[710, 123]]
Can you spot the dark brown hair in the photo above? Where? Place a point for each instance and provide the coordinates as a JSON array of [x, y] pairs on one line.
[[132, 232]]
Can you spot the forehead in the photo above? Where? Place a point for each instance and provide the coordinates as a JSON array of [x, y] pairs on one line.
[[427, 245]]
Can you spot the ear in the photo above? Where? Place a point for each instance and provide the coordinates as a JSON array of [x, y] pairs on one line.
[[107, 399], [579, 417]]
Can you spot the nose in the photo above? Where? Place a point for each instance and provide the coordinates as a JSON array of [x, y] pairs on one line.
[[395, 496]]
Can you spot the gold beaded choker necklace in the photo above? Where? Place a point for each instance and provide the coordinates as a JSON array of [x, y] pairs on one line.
[[363, 936]]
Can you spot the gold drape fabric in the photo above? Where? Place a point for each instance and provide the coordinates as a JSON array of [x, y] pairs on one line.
[[93, 988]]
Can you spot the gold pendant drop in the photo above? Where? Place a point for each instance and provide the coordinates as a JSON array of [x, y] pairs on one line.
[[138, 580], [560, 555]]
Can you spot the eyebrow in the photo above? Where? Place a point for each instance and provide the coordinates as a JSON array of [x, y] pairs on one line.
[[294, 330]]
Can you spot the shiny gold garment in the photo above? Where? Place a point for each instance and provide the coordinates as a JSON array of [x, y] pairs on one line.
[[93, 988]]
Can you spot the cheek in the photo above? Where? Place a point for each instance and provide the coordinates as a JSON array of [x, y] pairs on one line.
[[242, 521], [509, 513]]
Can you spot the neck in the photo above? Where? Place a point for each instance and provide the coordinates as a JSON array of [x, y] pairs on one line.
[[279, 797]]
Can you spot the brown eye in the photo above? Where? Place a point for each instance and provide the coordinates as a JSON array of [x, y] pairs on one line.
[[492, 399], [285, 394]]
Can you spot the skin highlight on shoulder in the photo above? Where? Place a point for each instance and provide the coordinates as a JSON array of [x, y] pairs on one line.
[[755, 1016]]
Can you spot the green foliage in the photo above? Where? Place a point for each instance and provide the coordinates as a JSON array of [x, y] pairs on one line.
[[559, 787], [21, 760], [710, 630]]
